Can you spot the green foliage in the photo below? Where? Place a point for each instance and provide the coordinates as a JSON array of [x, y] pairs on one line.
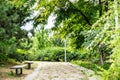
[[18, 55], [13, 17], [71, 17], [107, 42], [12, 20], [85, 23], [5, 49], [3, 57], [88, 65], [56, 41], [114, 70], [41, 38], [12, 61], [24, 43], [56, 54]]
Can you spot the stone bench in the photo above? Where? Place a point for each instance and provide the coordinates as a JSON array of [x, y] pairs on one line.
[[18, 67], [28, 63]]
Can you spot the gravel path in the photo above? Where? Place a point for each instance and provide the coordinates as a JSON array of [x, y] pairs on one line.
[[58, 71]]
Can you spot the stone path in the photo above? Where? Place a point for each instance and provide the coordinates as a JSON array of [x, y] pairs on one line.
[[58, 71]]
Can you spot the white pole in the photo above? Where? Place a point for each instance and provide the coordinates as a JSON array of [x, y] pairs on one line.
[[116, 14], [65, 52]]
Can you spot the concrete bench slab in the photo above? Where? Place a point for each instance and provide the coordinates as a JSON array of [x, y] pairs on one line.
[[18, 67], [28, 63]]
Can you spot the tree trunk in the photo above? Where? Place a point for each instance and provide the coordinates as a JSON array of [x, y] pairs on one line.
[[100, 55], [106, 5], [101, 58]]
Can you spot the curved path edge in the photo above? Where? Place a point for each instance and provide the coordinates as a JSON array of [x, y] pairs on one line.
[[34, 74]]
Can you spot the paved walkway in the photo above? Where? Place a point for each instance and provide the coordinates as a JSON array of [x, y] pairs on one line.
[[58, 71]]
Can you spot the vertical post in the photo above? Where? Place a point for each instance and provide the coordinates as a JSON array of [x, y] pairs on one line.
[[65, 51], [29, 65], [16, 71], [20, 70], [116, 14]]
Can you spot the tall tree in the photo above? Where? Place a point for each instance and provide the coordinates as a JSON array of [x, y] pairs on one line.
[[12, 17], [71, 17]]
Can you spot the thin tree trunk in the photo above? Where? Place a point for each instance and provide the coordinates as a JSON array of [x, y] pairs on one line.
[[106, 5], [100, 55], [101, 58]]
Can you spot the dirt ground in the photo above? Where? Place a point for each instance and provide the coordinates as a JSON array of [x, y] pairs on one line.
[[9, 74]]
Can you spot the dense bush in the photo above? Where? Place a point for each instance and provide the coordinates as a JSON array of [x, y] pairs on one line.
[[56, 54], [88, 65], [3, 57], [18, 55]]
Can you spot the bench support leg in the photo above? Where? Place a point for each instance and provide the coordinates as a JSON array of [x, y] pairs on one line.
[[16, 71], [20, 70], [29, 66]]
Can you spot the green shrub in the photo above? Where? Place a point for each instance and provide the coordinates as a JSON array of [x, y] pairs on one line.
[[49, 54], [56, 54], [3, 57], [16, 56], [88, 65]]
